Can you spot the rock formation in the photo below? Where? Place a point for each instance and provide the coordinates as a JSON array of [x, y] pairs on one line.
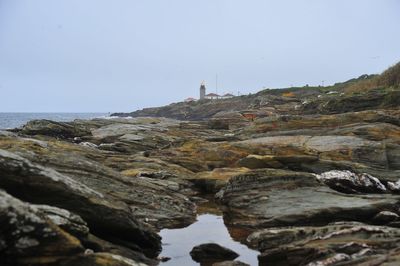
[[313, 180], [212, 252]]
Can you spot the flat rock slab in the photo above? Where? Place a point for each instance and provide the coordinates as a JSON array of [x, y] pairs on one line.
[[347, 148], [345, 241], [270, 197], [230, 263]]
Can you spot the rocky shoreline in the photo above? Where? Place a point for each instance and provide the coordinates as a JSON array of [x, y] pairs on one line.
[[310, 188]]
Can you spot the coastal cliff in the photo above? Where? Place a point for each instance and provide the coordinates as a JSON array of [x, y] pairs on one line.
[[363, 93], [313, 178]]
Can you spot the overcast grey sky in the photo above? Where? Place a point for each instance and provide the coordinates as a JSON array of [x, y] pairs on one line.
[[120, 55]]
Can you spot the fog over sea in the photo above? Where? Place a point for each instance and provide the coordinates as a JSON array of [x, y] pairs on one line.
[[13, 120]]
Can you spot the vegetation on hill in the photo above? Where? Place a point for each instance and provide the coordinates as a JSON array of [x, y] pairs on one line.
[[389, 79], [363, 93]]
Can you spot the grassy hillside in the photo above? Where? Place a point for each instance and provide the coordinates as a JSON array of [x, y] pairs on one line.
[[357, 94], [389, 79]]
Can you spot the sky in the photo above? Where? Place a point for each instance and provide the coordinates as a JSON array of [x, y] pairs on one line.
[[123, 55]]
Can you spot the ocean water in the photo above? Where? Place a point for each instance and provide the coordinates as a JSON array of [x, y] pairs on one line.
[[14, 120]]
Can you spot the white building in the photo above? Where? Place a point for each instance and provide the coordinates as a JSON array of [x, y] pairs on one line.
[[212, 96]]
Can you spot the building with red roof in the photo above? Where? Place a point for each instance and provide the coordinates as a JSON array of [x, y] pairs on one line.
[[212, 96]]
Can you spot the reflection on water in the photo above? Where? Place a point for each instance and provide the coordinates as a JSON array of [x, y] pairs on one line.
[[209, 227]]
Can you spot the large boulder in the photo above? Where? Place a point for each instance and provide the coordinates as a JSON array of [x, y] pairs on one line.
[[157, 200], [322, 153], [345, 148], [27, 237], [76, 226], [39, 235], [334, 243], [50, 128], [41, 185], [348, 182], [272, 197], [212, 252], [69, 222]]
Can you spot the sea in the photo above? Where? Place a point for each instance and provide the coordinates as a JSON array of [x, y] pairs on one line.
[[15, 120]]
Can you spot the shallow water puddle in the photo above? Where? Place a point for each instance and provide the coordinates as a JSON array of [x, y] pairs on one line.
[[209, 227]]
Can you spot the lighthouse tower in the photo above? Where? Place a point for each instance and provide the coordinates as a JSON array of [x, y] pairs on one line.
[[202, 90]]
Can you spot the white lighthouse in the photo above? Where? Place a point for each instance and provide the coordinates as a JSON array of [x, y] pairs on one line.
[[202, 90]]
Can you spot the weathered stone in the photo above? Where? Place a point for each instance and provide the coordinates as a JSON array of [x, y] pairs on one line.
[[66, 220], [348, 182], [325, 245], [212, 181], [198, 155], [212, 252], [271, 197], [156, 202], [230, 263], [218, 124], [385, 217], [53, 129], [88, 144], [27, 237], [42, 185], [99, 245], [258, 161], [101, 259], [371, 124], [326, 147]]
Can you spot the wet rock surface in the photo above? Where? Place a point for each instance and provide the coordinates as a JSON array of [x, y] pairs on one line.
[[212, 252], [334, 243], [69, 222], [29, 236], [272, 197], [41, 185]]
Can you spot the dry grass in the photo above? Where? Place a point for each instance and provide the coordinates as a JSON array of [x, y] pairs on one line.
[[288, 94], [390, 78]]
